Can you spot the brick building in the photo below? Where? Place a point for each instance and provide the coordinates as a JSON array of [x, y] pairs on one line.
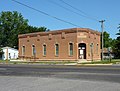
[[75, 44]]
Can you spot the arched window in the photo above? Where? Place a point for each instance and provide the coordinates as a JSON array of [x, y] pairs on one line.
[[70, 49], [33, 50], [23, 50], [56, 49], [97, 48], [44, 50], [91, 47]]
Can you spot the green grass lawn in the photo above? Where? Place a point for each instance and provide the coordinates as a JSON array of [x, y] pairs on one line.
[[41, 62], [2, 61], [113, 61]]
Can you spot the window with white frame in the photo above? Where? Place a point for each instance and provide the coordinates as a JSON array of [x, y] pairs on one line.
[[91, 48], [97, 48], [23, 50], [70, 49], [44, 50], [56, 49], [33, 50]]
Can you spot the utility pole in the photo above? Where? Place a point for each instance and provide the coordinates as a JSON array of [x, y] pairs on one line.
[[102, 27]]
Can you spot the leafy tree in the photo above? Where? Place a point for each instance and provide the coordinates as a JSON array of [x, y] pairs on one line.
[[117, 44], [106, 39], [31, 29], [119, 31], [108, 42], [1, 51], [12, 24]]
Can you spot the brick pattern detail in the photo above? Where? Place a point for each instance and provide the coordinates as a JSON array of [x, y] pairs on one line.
[[63, 38]]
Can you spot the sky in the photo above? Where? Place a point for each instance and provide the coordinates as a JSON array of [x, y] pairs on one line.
[[89, 14]]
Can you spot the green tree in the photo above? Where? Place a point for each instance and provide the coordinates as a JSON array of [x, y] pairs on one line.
[[117, 44], [106, 39], [108, 42], [1, 51], [31, 29], [12, 24]]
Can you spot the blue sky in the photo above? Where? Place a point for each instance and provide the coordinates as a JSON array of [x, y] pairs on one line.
[[98, 9]]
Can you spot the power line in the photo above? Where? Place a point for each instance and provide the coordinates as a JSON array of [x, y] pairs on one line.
[[66, 8], [86, 15], [46, 13]]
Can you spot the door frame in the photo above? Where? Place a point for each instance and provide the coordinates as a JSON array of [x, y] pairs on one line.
[[81, 51]]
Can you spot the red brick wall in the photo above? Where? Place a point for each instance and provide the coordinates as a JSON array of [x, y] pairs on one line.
[[50, 45], [90, 38], [62, 38]]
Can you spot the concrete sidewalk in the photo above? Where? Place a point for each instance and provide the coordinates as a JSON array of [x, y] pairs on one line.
[[78, 64], [59, 63]]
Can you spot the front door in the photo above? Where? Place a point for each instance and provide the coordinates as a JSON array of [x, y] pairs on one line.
[[82, 51]]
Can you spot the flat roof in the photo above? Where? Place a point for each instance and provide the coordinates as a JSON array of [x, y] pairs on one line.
[[70, 30]]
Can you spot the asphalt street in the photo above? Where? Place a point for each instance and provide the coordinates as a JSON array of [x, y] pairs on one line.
[[21, 83], [96, 73], [59, 78]]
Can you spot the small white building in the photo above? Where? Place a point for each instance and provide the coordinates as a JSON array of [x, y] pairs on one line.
[[9, 53]]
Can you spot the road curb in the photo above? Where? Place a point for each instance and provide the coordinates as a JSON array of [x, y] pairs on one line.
[[70, 64], [75, 64], [94, 64]]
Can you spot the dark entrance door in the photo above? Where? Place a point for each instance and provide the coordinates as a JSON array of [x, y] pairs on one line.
[[82, 51]]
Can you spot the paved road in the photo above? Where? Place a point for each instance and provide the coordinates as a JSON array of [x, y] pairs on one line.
[[20, 83], [107, 73], [59, 78]]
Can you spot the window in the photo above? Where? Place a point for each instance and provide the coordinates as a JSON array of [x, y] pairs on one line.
[[97, 48], [91, 48], [14, 55], [91, 45], [23, 50], [56, 49], [33, 50], [9, 56], [44, 50], [71, 49]]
